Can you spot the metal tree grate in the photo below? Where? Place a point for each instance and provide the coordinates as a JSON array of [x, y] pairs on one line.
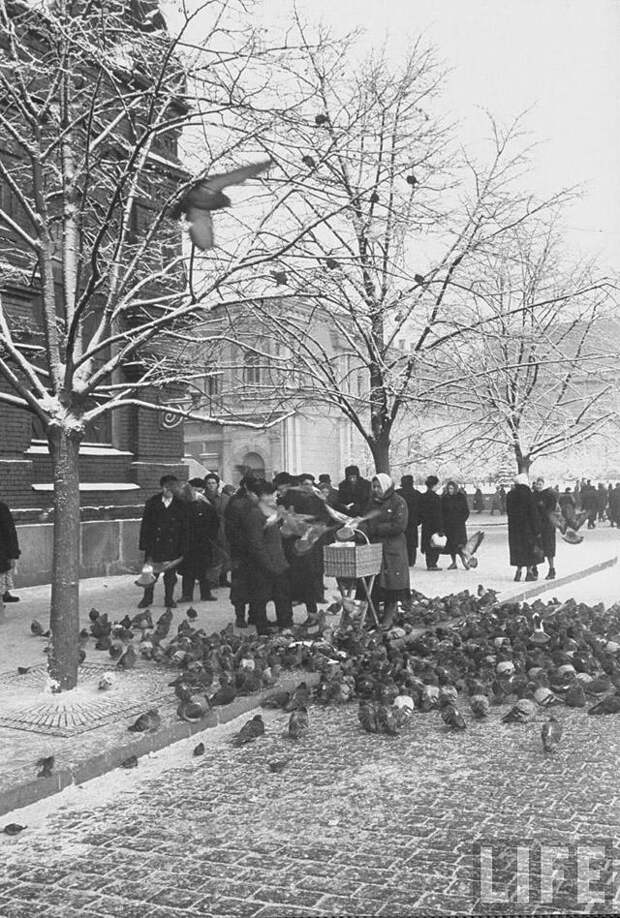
[[24, 705]]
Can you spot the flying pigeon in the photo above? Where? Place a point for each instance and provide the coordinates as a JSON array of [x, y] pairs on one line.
[[206, 195], [551, 734]]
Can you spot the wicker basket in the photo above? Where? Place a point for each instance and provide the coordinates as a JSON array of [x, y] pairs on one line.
[[352, 560]]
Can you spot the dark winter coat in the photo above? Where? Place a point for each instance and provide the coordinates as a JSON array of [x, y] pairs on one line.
[[567, 506], [523, 526], [164, 533], [9, 548], [354, 498], [389, 529], [306, 570], [203, 529], [546, 503], [478, 499], [589, 499], [601, 497], [235, 515], [429, 510], [614, 505], [454, 512], [411, 496]]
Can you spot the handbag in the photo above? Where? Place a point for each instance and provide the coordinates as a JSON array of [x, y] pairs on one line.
[[438, 540]]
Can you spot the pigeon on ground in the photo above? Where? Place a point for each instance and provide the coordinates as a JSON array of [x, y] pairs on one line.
[[22, 670], [575, 696], [193, 710], [106, 681], [551, 734], [453, 718], [298, 723], [130, 762], [521, 712], [609, 705], [299, 699], [278, 765], [250, 731], [13, 828], [387, 720], [146, 723], [46, 764], [479, 705], [36, 628], [367, 716], [207, 195], [199, 749], [192, 614], [308, 161]]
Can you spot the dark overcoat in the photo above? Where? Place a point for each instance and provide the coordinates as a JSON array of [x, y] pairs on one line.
[[523, 526], [9, 548], [389, 527], [431, 517], [261, 557], [305, 570], [546, 503], [203, 528], [411, 496], [354, 498], [164, 533], [455, 513]]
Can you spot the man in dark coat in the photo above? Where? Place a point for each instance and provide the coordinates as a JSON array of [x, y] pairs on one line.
[[219, 500], [262, 558], [9, 553], [331, 493], [614, 506], [203, 528], [429, 512], [388, 526], [589, 502], [455, 513], [305, 570], [235, 515], [546, 504], [353, 492], [523, 529], [411, 496], [164, 536], [601, 500]]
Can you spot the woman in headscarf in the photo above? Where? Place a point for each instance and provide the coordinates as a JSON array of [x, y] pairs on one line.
[[388, 527], [455, 512], [523, 529]]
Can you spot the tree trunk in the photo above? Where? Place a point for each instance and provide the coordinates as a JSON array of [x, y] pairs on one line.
[[380, 448], [65, 611], [523, 464]]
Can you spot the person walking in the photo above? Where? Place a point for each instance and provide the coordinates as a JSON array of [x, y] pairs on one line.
[[455, 513], [353, 492], [9, 553], [478, 501], [164, 537], [389, 526], [523, 529], [411, 496], [589, 502], [203, 529], [601, 501], [546, 504], [429, 511]]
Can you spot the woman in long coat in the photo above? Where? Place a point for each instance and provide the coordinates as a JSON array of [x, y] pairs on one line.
[[388, 526], [455, 513], [523, 529], [429, 513], [546, 503]]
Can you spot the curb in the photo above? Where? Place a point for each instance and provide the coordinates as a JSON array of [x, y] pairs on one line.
[[547, 585], [31, 791]]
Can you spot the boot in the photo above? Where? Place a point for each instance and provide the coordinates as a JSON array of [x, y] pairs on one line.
[[551, 574], [8, 597], [147, 599], [387, 619], [187, 589], [517, 576], [531, 575]]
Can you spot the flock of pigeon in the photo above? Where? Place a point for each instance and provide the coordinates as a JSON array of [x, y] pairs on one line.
[[462, 653]]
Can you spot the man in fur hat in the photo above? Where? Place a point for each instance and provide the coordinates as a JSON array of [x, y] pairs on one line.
[[353, 492]]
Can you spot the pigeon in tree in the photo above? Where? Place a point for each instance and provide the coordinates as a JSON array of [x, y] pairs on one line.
[[206, 195], [418, 278], [279, 277], [308, 161], [411, 179]]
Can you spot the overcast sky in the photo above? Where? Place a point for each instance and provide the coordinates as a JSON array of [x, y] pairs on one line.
[[559, 58]]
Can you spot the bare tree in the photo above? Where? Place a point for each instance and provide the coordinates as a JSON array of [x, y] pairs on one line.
[[401, 218], [96, 98], [538, 380]]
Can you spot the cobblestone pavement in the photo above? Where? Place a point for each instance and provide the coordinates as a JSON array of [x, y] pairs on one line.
[[353, 825]]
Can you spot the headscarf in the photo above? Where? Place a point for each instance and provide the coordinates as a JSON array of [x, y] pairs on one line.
[[385, 481], [522, 479]]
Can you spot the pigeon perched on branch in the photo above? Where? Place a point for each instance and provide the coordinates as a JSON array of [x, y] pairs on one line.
[[206, 195]]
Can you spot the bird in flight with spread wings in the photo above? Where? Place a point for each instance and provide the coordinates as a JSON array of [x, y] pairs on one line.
[[206, 195]]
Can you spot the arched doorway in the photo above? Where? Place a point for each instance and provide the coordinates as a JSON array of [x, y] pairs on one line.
[[255, 463]]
